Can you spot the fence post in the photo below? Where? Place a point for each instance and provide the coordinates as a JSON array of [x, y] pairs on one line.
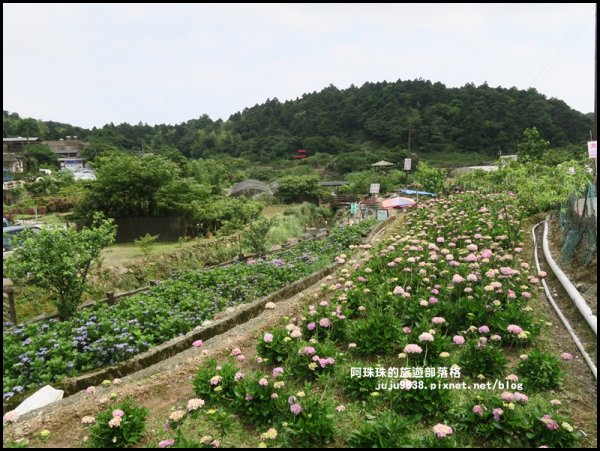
[[9, 288], [110, 295]]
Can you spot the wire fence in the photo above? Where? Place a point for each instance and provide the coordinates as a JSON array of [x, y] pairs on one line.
[[578, 222]]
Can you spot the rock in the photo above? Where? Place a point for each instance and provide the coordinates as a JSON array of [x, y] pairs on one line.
[[592, 290], [207, 323], [270, 305], [276, 247], [581, 287], [292, 241], [230, 309]]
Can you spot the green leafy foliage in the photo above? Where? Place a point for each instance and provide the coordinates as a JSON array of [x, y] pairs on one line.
[[537, 187], [255, 235], [375, 335], [429, 178], [276, 345], [128, 432], [60, 260], [216, 382], [298, 188], [388, 431], [46, 352], [532, 146], [146, 243], [314, 424], [477, 359], [254, 400], [426, 396], [540, 371]]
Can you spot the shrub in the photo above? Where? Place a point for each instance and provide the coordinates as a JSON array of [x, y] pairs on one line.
[[375, 334], [146, 243], [421, 399], [120, 426], [257, 401], [313, 360], [540, 371], [215, 382], [389, 431], [279, 348], [311, 420], [487, 360], [356, 387]]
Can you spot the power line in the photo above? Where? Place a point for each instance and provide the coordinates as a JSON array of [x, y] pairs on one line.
[[583, 23]]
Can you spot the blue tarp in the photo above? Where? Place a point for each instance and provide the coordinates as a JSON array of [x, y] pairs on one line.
[[412, 191]]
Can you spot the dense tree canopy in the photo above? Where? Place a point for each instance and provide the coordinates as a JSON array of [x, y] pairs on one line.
[[374, 116]]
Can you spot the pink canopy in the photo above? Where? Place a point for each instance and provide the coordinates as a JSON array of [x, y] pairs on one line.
[[397, 202]]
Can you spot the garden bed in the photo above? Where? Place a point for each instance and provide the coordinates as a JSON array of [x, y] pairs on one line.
[[47, 352]]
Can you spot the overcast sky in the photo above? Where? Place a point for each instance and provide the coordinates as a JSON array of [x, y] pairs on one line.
[[88, 65]]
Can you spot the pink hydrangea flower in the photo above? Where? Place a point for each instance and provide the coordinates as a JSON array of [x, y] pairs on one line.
[[549, 422], [324, 322], [426, 336], [195, 404], [438, 320], [566, 356], [441, 430], [520, 397], [177, 415], [197, 343], [268, 338], [296, 408], [497, 413], [118, 413], [413, 349], [484, 330], [166, 443], [114, 422], [458, 340], [398, 291], [514, 329], [296, 333]]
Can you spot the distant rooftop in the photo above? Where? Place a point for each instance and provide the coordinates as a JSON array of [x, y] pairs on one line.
[[335, 183], [383, 163], [19, 139]]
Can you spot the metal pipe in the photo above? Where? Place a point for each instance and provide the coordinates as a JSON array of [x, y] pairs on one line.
[[564, 320], [577, 298]]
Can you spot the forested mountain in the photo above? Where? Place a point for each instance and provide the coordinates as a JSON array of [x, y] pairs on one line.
[[374, 116]]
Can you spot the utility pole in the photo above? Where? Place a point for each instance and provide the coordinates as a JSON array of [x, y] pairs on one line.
[[405, 171]]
